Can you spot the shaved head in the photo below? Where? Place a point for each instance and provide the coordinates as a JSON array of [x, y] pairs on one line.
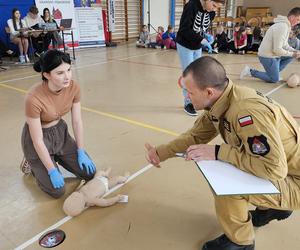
[[207, 72]]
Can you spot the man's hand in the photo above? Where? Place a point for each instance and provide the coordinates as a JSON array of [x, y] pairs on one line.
[[201, 152], [151, 155]]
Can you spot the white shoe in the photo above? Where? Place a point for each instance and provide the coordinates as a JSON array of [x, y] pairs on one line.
[[215, 51], [22, 59], [27, 58], [245, 72]]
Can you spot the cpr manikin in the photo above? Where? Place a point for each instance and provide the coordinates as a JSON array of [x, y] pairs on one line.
[[293, 80], [92, 192]]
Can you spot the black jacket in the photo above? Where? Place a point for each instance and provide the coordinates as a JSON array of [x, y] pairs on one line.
[[222, 42], [194, 22]]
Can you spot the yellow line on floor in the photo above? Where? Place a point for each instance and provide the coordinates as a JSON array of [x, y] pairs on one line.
[[13, 88], [120, 118], [116, 117]]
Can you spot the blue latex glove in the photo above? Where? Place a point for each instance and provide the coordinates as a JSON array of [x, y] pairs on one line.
[[56, 178], [85, 161]]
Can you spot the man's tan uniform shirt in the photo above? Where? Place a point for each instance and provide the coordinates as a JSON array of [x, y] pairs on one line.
[[260, 136]]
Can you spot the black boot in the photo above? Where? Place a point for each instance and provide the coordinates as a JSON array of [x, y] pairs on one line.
[[223, 243], [262, 217]]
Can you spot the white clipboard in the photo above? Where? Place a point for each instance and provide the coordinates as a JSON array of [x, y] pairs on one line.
[[226, 179]]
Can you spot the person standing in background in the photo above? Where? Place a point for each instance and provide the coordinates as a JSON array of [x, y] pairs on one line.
[[194, 22]]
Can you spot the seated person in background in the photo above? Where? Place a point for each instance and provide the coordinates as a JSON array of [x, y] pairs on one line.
[[239, 45], [221, 41], [18, 35], [257, 38], [159, 43], [4, 50], [169, 38], [294, 42], [40, 40], [236, 28], [207, 42], [159, 39], [54, 35], [249, 37], [144, 38]]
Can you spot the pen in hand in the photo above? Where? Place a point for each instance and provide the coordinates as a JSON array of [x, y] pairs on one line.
[[183, 155]]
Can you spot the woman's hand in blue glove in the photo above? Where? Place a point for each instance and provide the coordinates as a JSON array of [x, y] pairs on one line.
[[85, 162], [56, 178]]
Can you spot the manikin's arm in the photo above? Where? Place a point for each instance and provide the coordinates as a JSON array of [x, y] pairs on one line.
[[101, 202]]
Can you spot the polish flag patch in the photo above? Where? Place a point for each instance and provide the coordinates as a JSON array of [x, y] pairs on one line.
[[245, 121]]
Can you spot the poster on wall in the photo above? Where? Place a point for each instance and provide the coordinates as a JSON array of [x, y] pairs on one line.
[[62, 11], [90, 27], [87, 3]]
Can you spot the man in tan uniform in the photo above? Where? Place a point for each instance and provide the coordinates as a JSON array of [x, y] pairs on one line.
[[260, 137]]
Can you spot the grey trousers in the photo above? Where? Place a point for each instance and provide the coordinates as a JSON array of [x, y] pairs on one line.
[[62, 149]]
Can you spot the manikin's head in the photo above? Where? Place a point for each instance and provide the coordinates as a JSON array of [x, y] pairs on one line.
[[293, 80], [74, 204]]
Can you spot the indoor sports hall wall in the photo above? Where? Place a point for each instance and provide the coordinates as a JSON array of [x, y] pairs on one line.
[[278, 7]]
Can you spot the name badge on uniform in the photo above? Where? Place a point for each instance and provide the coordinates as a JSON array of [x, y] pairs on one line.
[[226, 125]]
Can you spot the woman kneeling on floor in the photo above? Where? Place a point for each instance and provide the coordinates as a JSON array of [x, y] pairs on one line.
[[45, 138]]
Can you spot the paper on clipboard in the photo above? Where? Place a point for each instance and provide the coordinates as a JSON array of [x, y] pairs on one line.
[[226, 179]]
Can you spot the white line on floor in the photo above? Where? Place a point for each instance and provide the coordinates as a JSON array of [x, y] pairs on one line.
[[67, 218], [80, 67], [274, 90], [21, 78], [111, 60]]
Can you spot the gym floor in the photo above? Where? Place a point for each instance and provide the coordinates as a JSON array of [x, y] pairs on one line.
[[129, 96]]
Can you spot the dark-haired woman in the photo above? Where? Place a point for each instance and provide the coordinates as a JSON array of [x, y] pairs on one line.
[[45, 137], [54, 35], [17, 34], [239, 44]]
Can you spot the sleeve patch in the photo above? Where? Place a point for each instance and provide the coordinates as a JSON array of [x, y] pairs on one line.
[[259, 145], [245, 121]]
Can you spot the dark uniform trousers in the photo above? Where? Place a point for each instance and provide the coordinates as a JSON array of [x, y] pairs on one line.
[[62, 149]]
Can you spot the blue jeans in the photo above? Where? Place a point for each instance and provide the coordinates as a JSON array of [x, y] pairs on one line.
[[186, 57], [272, 67]]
